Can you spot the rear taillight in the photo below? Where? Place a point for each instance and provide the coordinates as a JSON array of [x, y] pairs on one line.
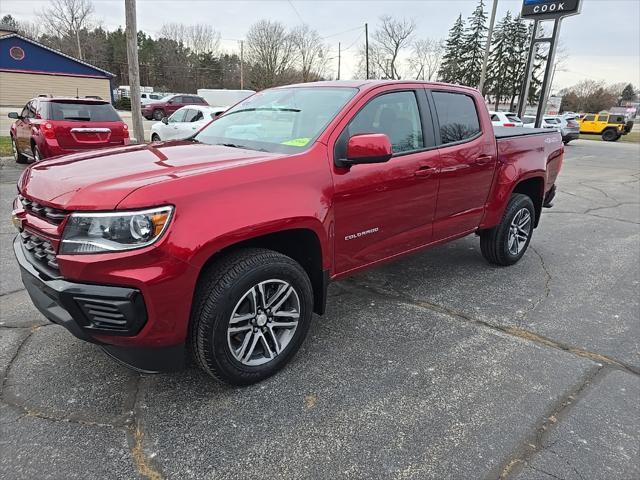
[[48, 130], [125, 130], [508, 124], [572, 124]]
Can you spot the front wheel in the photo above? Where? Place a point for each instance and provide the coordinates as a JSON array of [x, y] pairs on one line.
[[37, 156], [506, 243], [251, 313]]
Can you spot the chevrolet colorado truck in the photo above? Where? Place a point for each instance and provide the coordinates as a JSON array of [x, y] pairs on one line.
[[218, 248]]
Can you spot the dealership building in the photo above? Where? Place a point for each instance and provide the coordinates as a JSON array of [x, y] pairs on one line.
[[29, 69]]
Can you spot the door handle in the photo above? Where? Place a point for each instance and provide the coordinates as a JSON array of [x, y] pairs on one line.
[[424, 171], [484, 159]]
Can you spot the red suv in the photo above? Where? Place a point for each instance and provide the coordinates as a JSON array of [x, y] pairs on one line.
[[169, 104], [50, 126]]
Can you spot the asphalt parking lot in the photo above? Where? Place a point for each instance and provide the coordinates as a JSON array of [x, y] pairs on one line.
[[437, 366]]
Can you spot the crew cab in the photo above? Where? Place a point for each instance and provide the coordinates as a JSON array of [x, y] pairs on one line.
[[51, 126], [218, 248]]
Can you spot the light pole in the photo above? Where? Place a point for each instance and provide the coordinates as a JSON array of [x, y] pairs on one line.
[[487, 47]]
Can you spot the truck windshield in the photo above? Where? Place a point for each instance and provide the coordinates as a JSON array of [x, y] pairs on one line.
[[282, 120]]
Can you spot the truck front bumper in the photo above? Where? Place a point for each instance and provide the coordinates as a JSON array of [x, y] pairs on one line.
[[89, 311]]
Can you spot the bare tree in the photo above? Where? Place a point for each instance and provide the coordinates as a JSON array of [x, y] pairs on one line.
[[426, 56], [29, 29], [311, 53], [271, 52], [389, 39], [69, 18], [199, 38]]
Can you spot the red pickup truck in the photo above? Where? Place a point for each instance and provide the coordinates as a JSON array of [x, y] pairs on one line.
[[219, 248]]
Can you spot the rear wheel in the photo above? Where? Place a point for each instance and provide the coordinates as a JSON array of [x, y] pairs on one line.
[[252, 311], [18, 157], [610, 135], [158, 114], [155, 137], [506, 243]]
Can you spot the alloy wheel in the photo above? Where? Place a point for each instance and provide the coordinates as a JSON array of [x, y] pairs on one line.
[[263, 322], [519, 231], [14, 149]]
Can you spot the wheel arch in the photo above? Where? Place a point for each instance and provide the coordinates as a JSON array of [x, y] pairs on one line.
[[301, 244], [533, 187]]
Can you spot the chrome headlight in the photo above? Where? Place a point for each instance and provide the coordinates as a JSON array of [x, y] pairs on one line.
[[114, 231]]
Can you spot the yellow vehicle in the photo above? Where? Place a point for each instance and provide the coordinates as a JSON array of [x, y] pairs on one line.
[[611, 127]]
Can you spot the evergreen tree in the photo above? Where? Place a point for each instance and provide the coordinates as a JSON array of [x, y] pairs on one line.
[[628, 94], [473, 44], [451, 67], [500, 60], [517, 52]]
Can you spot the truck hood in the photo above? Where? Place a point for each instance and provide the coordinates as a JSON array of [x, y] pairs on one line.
[[101, 179]]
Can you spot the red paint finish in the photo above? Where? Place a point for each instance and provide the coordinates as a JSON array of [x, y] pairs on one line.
[[360, 216], [371, 145]]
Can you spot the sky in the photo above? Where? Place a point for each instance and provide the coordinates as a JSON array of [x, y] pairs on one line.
[[602, 43]]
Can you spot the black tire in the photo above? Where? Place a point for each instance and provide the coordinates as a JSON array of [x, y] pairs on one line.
[[158, 114], [17, 156], [494, 243], [155, 137], [220, 290], [610, 135], [566, 142]]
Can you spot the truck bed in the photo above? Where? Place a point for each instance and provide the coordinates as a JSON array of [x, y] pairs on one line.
[[509, 132]]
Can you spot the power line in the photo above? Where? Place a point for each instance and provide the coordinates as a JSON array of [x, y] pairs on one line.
[[296, 10], [340, 33]]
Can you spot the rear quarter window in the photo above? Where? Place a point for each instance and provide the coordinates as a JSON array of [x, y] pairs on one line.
[[457, 116], [82, 112]]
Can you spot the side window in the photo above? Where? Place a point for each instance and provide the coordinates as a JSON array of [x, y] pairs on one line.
[[494, 118], [589, 118], [31, 107], [395, 114], [457, 116], [190, 115], [603, 118], [25, 111], [178, 116], [199, 100], [178, 99], [198, 116]]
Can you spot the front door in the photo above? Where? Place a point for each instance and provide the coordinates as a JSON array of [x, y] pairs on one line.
[[385, 209], [23, 129], [468, 162]]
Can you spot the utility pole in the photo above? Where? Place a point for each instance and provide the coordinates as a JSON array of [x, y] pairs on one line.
[[338, 61], [487, 47], [366, 46], [241, 64], [134, 68]]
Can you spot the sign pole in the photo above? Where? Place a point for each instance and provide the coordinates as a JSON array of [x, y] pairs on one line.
[[548, 71], [524, 91]]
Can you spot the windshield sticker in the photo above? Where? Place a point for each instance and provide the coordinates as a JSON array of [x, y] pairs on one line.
[[297, 142]]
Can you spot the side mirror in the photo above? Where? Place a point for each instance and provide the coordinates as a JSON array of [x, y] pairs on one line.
[[165, 120], [368, 148], [13, 115]]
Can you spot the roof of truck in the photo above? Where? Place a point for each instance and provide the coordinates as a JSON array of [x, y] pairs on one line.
[[368, 84]]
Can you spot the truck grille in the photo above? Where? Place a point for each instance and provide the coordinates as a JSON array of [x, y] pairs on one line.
[[52, 215], [40, 249]]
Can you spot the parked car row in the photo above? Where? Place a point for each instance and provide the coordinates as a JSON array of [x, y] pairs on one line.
[[164, 107]]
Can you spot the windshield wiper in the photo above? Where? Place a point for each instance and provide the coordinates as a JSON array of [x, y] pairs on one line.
[[235, 145], [265, 109]]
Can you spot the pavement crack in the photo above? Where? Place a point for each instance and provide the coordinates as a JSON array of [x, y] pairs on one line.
[[517, 332], [547, 287], [619, 204], [11, 292], [536, 441], [144, 464], [597, 189]]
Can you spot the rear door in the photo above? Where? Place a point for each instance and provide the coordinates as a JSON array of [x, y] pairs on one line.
[[468, 161], [85, 125], [385, 209]]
